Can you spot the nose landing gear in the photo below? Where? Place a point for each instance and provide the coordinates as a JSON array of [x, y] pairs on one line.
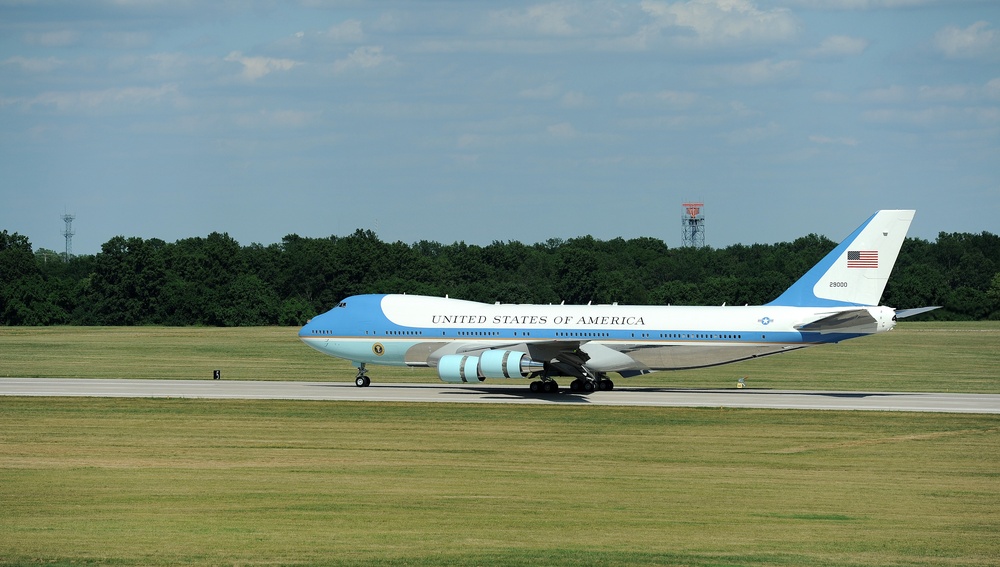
[[362, 380]]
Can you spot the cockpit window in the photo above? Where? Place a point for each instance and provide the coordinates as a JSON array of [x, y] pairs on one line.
[[342, 304]]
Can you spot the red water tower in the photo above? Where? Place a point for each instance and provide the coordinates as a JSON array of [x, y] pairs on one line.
[[693, 225]]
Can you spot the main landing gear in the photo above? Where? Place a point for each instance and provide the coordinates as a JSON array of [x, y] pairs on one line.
[[584, 385], [362, 380], [587, 386], [546, 386]]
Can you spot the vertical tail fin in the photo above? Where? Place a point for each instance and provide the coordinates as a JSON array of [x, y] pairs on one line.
[[856, 271]]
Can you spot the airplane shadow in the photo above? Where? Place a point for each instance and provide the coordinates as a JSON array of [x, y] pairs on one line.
[[768, 392], [565, 396], [499, 393], [483, 392]]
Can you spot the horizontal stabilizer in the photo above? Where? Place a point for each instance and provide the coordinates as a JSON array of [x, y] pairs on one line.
[[904, 313], [839, 322]]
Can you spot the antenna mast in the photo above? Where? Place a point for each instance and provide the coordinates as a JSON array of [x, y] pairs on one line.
[[68, 233]]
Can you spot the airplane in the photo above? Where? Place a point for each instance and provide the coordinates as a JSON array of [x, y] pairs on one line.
[[469, 342]]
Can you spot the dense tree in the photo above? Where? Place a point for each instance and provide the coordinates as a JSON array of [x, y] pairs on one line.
[[127, 281], [216, 281], [993, 296], [20, 280]]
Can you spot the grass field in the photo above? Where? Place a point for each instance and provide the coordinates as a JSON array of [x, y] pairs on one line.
[[933, 357], [164, 482]]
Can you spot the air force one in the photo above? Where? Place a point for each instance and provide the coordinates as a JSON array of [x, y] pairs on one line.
[[469, 342]]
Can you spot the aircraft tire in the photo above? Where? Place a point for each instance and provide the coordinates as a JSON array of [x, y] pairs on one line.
[[535, 387], [588, 386], [362, 381]]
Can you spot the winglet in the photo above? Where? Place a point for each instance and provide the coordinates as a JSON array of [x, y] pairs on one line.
[[856, 271]]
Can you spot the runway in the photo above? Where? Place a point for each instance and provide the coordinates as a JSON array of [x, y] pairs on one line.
[[513, 394]]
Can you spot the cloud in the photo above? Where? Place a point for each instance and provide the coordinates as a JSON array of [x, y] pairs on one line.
[[888, 95], [974, 41], [840, 46], [346, 32], [754, 134], [576, 99], [713, 23], [276, 118], [127, 40], [365, 57], [831, 97], [946, 93], [759, 72], [544, 92], [842, 141], [550, 91], [61, 38], [33, 64], [542, 19], [865, 4], [992, 89], [563, 130], [593, 19], [667, 98], [115, 99], [922, 117], [257, 67], [932, 105], [955, 94], [961, 93]]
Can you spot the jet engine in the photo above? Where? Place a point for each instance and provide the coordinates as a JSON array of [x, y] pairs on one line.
[[458, 368], [507, 364]]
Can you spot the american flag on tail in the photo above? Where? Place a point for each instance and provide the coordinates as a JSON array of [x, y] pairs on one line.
[[862, 258]]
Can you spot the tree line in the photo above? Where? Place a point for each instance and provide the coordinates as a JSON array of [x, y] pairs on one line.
[[215, 281]]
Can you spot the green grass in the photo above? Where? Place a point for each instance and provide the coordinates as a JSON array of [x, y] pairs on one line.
[[162, 482], [933, 357]]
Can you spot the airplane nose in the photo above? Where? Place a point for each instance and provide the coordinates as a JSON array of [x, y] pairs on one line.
[[306, 330], [314, 326]]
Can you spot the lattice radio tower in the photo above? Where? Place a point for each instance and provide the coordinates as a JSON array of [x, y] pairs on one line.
[[693, 225], [68, 233]]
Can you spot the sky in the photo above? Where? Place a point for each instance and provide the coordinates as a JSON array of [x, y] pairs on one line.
[[455, 121]]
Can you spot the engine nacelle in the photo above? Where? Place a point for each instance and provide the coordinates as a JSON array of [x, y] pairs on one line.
[[506, 364], [458, 368]]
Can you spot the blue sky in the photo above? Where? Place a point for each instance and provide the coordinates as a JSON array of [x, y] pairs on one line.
[[481, 121]]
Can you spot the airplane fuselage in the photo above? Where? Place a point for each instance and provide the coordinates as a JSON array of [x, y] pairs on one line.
[[411, 330]]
